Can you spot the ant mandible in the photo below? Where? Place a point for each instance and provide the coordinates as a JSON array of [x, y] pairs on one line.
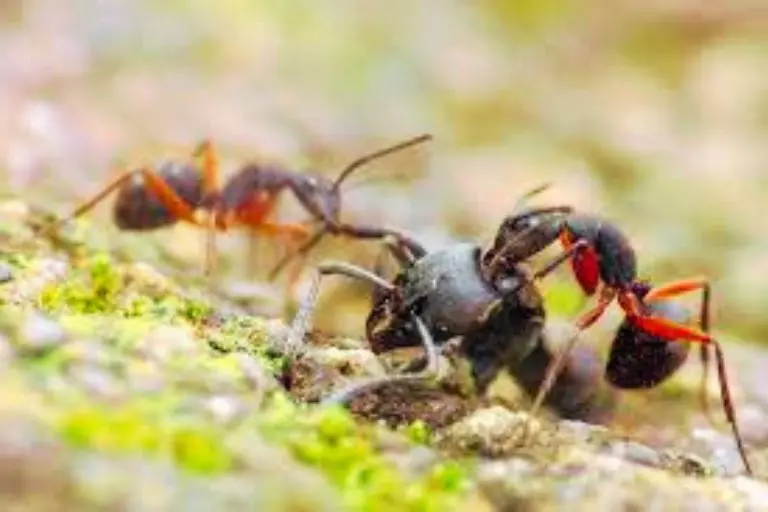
[[149, 199], [651, 342]]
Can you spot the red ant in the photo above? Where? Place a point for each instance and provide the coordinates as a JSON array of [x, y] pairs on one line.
[[148, 199], [650, 344]]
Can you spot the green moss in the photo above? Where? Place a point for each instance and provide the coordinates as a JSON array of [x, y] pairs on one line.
[[17, 260], [418, 432], [138, 429], [102, 286], [346, 452], [94, 289], [247, 334]]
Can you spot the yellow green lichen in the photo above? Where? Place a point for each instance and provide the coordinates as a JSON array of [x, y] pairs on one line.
[[137, 429], [330, 440], [247, 334], [102, 286]]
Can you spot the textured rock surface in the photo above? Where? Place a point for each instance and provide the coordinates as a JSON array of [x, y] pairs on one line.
[[123, 389]]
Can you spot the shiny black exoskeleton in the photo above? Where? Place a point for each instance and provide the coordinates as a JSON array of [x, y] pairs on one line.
[[488, 299], [640, 360], [654, 338]]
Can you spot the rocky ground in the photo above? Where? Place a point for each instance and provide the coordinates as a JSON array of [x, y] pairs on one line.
[[127, 389]]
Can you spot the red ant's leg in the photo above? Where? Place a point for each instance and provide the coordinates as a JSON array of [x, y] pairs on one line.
[[209, 160], [673, 332], [155, 183], [294, 231], [170, 199], [675, 288], [86, 206], [584, 321]]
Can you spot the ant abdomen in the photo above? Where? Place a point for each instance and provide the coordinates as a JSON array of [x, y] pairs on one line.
[[137, 208], [640, 360], [578, 393]]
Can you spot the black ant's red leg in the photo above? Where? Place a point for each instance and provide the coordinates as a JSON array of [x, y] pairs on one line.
[[675, 288], [583, 322], [673, 332]]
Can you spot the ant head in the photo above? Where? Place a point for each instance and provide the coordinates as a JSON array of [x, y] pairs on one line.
[[528, 232], [318, 195]]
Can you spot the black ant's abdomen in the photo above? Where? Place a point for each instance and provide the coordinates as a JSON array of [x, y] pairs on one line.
[[137, 208], [579, 392], [639, 360]]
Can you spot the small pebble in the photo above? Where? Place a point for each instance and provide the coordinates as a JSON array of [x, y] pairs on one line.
[[753, 422], [96, 381], [6, 274], [224, 409], [579, 431], [6, 352], [636, 452], [166, 342], [39, 335], [719, 449], [503, 469], [255, 374], [358, 361]]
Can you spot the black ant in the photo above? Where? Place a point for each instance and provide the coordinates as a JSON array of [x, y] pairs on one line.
[[652, 342], [148, 199], [486, 298]]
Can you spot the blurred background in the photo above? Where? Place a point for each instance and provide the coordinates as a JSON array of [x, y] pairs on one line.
[[652, 113]]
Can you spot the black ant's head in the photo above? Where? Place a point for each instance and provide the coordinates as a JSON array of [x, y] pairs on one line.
[[318, 195], [528, 232]]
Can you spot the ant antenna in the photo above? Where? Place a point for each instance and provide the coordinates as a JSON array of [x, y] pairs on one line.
[[365, 159], [538, 189]]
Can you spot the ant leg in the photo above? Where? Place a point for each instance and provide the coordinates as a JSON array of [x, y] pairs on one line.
[[584, 321], [210, 245], [675, 288], [572, 252], [369, 232], [209, 159], [302, 321], [292, 230], [401, 255], [429, 372], [673, 331], [300, 253], [155, 183], [207, 153], [359, 232]]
